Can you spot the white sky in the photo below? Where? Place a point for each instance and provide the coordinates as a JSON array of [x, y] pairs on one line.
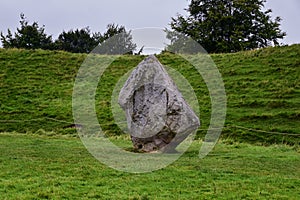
[[59, 15]]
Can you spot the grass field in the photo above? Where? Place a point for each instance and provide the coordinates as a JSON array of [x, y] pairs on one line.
[[43, 167], [258, 156], [263, 91]]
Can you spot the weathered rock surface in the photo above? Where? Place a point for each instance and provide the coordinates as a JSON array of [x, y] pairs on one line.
[[158, 117]]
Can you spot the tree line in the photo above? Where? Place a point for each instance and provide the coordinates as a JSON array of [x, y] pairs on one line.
[[115, 40], [219, 26]]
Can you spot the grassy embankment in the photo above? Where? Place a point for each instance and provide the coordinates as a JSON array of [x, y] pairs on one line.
[[262, 87]]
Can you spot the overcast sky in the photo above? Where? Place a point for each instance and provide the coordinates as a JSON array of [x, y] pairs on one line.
[[58, 15]]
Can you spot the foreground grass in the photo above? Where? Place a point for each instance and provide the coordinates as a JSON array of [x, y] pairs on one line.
[[42, 167]]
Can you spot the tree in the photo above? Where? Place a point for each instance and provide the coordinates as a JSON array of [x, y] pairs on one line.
[[228, 25], [116, 40], [78, 41], [27, 36]]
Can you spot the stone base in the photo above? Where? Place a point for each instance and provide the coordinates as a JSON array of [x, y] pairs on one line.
[[162, 142]]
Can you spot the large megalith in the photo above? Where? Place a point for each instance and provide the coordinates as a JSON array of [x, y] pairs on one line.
[[158, 117]]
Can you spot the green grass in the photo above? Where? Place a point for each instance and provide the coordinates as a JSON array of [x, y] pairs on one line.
[[43, 167], [262, 87], [41, 157]]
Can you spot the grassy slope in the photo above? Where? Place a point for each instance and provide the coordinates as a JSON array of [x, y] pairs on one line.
[[262, 87], [40, 167]]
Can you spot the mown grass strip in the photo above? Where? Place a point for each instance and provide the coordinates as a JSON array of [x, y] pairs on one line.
[[42, 167]]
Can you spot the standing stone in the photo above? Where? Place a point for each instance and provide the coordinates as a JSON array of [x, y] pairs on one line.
[[158, 117]]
